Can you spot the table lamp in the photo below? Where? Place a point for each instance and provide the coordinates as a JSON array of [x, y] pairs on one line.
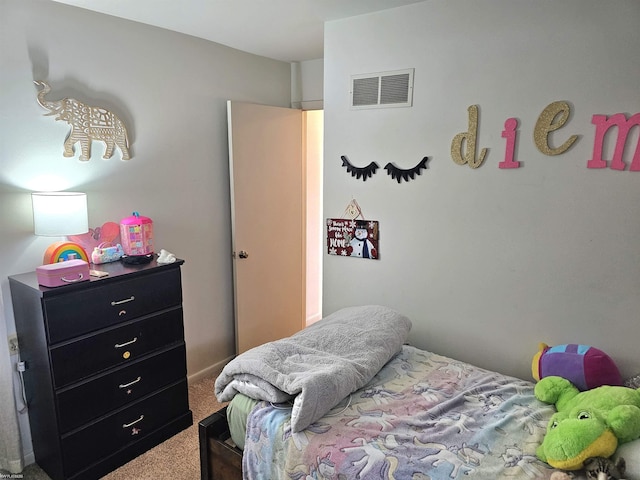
[[58, 214]]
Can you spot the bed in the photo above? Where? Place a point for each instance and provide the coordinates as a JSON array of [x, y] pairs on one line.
[[407, 413]]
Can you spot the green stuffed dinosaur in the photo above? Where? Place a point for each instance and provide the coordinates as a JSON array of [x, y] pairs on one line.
[[588, 424]]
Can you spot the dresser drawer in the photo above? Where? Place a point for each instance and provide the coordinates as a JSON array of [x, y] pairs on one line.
[[113, 347], [86, 446], [81, 403], [83, 311]]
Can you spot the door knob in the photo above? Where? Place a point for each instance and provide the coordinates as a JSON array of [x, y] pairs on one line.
[[243, 254]]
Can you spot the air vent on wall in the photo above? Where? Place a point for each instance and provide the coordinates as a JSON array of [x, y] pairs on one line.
[[382, 90]]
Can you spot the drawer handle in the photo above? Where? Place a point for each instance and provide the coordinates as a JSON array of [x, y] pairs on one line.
[[127, 385], [127, 425], [120, 345], [120, 302], [80, 277]]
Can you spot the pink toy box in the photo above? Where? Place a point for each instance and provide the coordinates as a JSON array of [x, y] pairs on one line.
[[62, 273], [136, 235]]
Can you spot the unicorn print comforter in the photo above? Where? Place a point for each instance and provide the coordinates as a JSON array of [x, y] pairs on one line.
[[422, 416]]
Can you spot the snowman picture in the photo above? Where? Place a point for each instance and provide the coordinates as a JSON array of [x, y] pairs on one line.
[[360, 246], [348, 237]]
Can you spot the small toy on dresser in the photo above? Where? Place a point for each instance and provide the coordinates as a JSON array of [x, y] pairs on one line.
[[136, 234], [106, 252], [166, 257], [62, 273]]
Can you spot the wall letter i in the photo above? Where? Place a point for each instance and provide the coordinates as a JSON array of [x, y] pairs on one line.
[[510, 132]]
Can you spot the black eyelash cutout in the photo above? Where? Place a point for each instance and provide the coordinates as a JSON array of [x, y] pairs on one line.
[[364, 172], [398, 173]]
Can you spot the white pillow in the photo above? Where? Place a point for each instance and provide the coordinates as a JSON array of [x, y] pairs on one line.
[[631, 453]]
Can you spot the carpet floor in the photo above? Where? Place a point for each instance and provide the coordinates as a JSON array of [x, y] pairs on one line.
[[178, 458]]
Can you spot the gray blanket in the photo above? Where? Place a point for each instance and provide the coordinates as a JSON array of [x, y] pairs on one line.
[[319, 366]]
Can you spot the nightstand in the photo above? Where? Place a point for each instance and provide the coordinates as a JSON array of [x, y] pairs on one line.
[[105, 361]]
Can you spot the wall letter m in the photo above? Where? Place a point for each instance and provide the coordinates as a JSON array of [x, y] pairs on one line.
[[624, 126]]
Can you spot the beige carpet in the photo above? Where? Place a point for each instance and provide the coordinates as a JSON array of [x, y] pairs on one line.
[[178, 458]]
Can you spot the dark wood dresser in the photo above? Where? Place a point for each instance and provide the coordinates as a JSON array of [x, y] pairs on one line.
[[105, 363]]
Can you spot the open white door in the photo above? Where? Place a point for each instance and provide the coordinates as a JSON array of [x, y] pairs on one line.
[[267, 175]]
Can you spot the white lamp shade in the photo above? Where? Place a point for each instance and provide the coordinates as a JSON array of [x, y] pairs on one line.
[[57, 214]]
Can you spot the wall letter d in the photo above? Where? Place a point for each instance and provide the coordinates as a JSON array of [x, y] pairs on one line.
[[469, 137]]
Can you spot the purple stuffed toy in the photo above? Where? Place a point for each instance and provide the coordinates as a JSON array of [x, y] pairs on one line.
[[584, 366]]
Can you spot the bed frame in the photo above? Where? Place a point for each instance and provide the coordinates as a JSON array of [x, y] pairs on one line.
[[220, 459]]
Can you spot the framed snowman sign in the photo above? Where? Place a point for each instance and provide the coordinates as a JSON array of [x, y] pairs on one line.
[[352, 238]]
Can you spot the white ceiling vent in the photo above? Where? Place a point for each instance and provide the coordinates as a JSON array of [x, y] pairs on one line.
[[382, 90]]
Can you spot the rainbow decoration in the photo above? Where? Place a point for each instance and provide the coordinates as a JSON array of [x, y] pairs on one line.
[[63, 251]]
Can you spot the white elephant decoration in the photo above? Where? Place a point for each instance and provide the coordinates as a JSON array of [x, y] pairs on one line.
[[87, 124]]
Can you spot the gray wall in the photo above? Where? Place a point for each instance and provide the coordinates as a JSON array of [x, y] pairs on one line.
[[171, 91], [489, 262]]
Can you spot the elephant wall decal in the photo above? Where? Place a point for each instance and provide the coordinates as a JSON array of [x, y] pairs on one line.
[[87, 123]]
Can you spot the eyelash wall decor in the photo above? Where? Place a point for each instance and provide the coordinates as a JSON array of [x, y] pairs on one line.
[[399, 173], [364, 172]]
